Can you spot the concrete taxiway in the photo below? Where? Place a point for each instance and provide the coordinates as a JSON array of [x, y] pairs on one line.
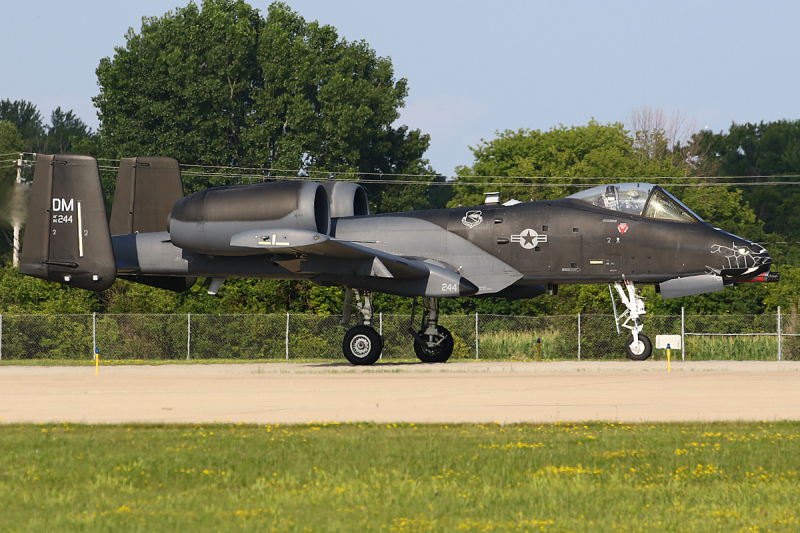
[[504, 392]]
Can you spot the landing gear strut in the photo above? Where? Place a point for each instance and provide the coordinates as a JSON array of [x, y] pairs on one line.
[[638, 347], [433, 343], [362, 345]]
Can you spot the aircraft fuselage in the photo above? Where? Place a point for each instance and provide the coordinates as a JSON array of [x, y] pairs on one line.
[[550, 242]]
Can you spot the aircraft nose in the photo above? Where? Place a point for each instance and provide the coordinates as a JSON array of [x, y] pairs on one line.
[[741, 259], [762, 272]]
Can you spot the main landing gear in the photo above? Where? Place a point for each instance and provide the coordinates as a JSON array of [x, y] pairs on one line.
[[363, 345], [638, 347], [433, 343]]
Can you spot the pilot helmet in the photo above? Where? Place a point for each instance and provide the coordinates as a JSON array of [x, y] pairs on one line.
[[633, 194]]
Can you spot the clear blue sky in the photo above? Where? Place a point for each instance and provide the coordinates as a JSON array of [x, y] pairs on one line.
[[477, 67]]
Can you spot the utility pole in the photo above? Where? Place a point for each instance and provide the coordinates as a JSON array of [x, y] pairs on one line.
[[17, 223]]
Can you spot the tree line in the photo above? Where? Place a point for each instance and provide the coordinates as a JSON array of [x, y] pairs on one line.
[[226, 86]]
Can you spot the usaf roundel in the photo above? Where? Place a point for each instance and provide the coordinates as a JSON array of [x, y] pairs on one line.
[[528, 238]]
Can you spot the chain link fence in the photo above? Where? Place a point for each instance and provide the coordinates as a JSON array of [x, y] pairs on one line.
[[766, 337]]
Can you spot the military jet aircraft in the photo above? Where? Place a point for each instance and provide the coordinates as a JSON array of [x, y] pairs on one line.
[[621, 235]]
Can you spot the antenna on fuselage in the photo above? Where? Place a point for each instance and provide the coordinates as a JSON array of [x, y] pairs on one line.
[[492, 198]]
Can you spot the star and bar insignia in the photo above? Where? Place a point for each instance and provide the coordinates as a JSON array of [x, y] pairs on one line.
[[528, 238]]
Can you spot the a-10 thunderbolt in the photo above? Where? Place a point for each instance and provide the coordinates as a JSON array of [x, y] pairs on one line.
[[622, 235]]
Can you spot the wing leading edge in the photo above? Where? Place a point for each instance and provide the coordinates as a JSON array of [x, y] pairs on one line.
[[311, 252]]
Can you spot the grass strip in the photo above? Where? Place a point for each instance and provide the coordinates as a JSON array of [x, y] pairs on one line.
[[601, 477]]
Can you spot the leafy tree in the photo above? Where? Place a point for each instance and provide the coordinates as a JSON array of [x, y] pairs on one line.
[[764, 149], [786, 293], [28, 121], [594, 150], [65, 130], [396, 197], [26, 295], [724, 208], [10, 143], [225, 86]]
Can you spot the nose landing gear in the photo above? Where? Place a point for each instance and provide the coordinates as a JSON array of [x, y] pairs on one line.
[[637, 347]]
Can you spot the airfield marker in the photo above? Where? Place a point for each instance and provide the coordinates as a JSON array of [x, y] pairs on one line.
[[94, 343], [669, 363], [665, 342]]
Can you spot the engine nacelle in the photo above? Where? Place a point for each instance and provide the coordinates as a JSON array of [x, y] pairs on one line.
[[347, 199], [205, 221]]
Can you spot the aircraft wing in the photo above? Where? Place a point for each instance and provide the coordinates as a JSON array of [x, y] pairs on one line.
[[311, 252], [297, 241]]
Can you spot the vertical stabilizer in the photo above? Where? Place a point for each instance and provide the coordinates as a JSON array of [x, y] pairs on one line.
[[147, 188], [66, 236]]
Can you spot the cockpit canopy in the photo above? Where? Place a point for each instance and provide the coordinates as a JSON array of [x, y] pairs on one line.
[[642, 199]]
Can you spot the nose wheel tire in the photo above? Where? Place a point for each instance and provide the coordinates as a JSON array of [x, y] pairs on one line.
[[639, 351], [362, 345], [436, 354]]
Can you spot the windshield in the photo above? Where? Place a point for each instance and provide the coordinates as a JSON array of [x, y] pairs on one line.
[[632, 198], [666, 207], [625, 197]]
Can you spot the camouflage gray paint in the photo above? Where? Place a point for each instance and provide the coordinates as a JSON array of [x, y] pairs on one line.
[[631, 233]]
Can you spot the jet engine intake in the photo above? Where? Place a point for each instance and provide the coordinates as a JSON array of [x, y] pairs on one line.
[[205, 221], [347, 199]]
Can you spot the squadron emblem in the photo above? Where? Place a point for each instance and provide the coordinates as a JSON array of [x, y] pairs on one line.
[[528, 238], [472, 219]]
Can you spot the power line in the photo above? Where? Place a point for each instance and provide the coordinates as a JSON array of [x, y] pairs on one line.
[[264, 174]]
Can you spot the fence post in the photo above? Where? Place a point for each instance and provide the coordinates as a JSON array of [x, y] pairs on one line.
[[287, 336], [1, 336], [477, 352], [779, 333], [94, 335], [380, 331], [188, 336], [683, 338], [579, 336]]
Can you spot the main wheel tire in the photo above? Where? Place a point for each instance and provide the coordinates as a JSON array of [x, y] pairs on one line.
[[438, 354], [362, 345], [640, 352]]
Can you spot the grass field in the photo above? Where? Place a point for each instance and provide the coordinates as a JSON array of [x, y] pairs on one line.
[[357, 477]]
